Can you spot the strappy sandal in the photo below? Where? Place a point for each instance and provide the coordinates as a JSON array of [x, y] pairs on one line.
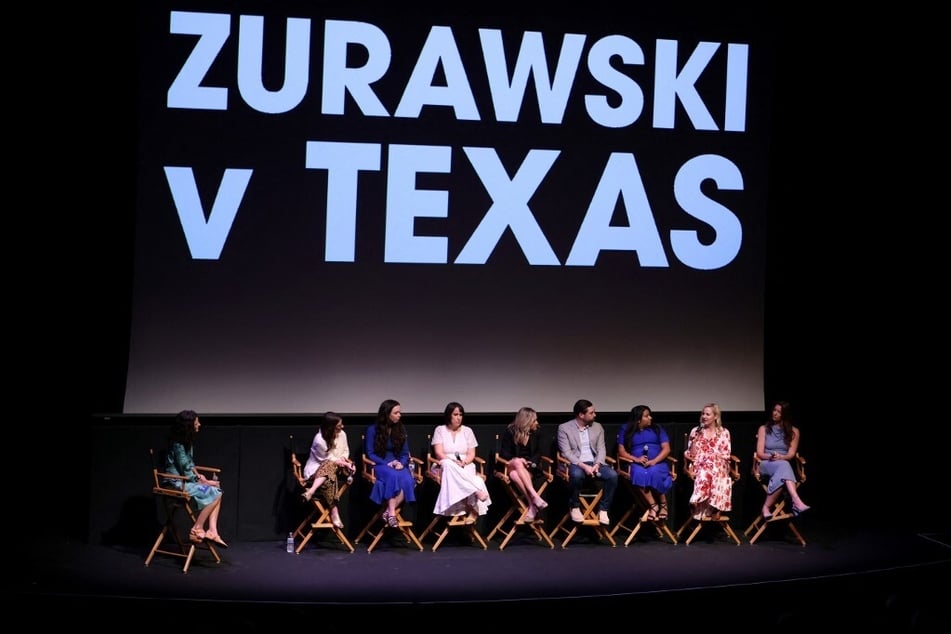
[[652, 513], [391, 520], [662, 513], [196, 535], [214, 537]]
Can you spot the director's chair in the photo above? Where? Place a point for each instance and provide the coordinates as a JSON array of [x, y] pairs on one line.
[[780, 516], [590, 496], [444, 524], [177, 506], [318, 518], [514, 518], [377, 526], [722, 520], [639, 511]]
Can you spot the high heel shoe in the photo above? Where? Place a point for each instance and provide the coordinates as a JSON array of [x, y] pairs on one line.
[[529, 516], [214, 537], [306, 495], [391, 520], [196, 535], [662, 513], [540, 504], [652, 512], [799, 511]]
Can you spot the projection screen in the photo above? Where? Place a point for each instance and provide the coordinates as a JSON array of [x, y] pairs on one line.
[[337, 204]]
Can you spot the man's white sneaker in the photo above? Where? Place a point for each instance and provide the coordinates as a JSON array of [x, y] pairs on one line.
[[576, 516], [603, 518]]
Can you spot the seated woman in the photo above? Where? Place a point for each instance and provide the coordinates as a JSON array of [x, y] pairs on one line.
[[329, 458], [386, 445], [461, 489], [647, 446], [708, 448], [776, 444], [520, 445], [205, 493]]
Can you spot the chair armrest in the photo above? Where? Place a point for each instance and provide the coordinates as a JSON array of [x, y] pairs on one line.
[[214, 471], [734, 468], [162, 487]]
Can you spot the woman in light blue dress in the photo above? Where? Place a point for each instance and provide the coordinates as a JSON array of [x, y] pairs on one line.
[[776, 444]]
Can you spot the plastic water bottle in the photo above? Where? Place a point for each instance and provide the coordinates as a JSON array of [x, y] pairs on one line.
[[290, 543]]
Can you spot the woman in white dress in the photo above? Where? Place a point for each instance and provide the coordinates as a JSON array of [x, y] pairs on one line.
[[462, 490]]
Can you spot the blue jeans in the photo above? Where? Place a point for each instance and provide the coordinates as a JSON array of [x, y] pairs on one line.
[[576, 479]]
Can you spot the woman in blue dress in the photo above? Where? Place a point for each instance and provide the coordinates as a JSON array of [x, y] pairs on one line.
[[206, 494], [647, 446], [386, 445], [776, 444]]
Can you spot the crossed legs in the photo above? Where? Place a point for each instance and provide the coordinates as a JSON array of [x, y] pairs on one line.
[[798, 505], [520, 474]]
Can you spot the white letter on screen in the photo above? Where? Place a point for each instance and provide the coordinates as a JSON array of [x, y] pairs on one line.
[[669, 85], [250, 62], [632, 97], [620, 178], [737, 60], [440, 47], [729, 231], [552, 96], [404, 203], [343, 162], [338, 79], [186, 90], [509, 207], [206, 239]]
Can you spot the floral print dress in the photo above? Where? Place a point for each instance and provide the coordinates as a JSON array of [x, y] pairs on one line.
[[712, 483]]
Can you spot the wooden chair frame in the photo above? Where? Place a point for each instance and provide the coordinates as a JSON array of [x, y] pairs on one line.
[[590, 496], [377, 526], [175, 502], [513, 519], [723, 521], [639, 511], [444, 524], [780, 516], [318, 518]]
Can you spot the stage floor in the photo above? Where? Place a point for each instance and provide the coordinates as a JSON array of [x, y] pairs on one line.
[[853, 577]]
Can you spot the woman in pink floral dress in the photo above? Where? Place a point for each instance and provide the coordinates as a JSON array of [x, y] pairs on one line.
[[708, 446]]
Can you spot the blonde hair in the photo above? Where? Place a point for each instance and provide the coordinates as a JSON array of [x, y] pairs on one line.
[[522, 425], [717, 419]]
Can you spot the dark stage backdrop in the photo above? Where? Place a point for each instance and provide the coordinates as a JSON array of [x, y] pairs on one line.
[[337, 204]]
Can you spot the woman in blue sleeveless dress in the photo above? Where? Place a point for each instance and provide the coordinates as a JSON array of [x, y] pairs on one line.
[[647, 446]]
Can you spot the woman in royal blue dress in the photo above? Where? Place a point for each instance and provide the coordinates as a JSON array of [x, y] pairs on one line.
[[386, 445], [647, 446]]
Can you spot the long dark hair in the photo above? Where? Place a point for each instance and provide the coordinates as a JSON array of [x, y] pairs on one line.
[[396, 433], [785, 422], [328, 429], [183, 429], [637, 412]]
